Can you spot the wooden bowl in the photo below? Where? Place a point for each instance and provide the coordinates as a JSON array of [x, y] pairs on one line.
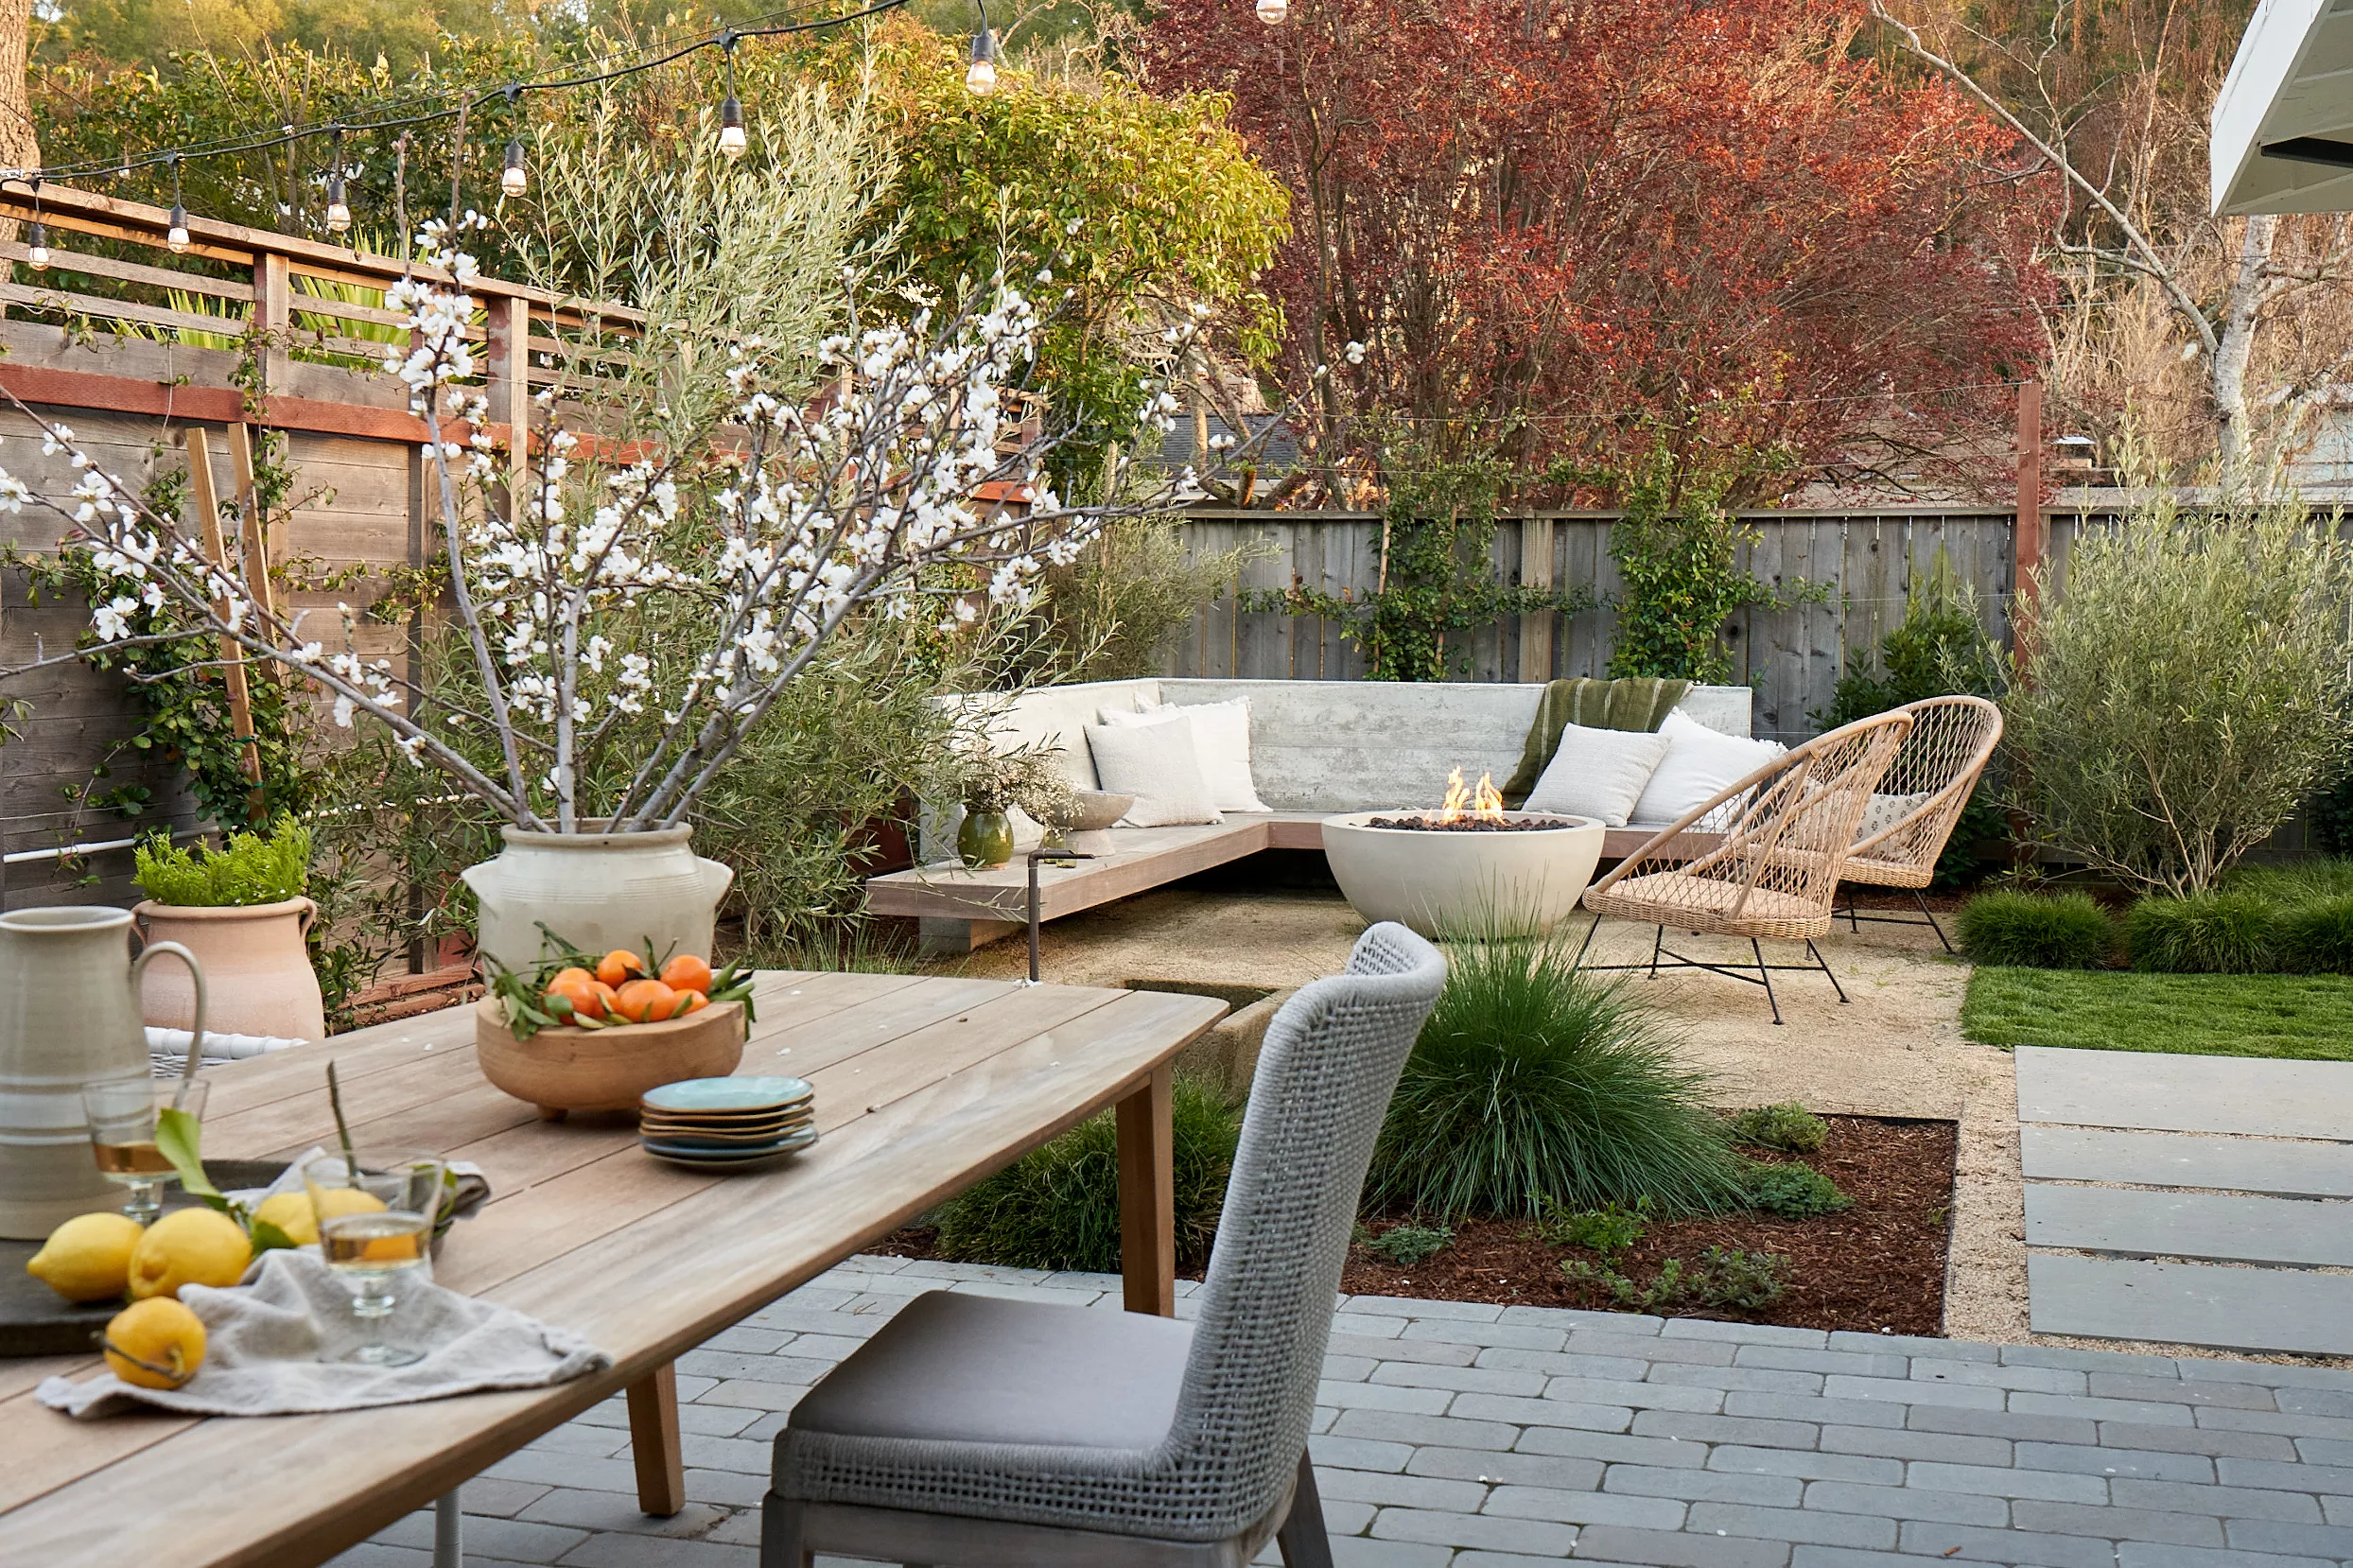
[[567, 1069]]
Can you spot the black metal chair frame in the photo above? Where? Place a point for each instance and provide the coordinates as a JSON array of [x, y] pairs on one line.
[[1763, 975]]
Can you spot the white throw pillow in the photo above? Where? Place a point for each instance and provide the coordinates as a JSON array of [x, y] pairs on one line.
[[1599, 773], [1221, 739], [1884, 811], [1699, 763], [1158, 764]]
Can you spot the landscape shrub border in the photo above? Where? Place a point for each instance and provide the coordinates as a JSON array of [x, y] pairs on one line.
[[2296, 920]]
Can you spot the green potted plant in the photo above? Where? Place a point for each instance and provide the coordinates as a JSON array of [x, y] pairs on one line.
[[239, 908], [991, 785]]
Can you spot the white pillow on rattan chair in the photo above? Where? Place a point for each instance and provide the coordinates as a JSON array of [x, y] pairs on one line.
[[1160, 766], [1700, 763], [1884, 811], [1599, 773]]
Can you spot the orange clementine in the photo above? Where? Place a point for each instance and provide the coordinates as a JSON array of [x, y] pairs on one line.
[[645, 1001], [696, 1001], [575, 972], [619, 966], [582, 994], [687, 973]]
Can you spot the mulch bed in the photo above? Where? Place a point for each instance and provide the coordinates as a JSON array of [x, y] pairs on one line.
[[1879, 1265]]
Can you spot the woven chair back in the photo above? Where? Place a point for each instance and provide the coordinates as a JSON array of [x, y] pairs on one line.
[[1919, 803], [1325, 1074], [1785, 830]]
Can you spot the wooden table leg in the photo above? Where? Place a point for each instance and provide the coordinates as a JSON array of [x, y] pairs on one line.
[[1147, 1197], [654, 1441]]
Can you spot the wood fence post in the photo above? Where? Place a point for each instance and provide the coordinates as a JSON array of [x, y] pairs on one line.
[[510, 389], [2033, 527], [207, 500], [273, 314], [1535, 573]]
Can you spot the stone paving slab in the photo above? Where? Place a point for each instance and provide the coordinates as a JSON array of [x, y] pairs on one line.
[[1864, 1451], [2251, 1309], [2160, 1092], [2291, 1169], [2144, 1223]]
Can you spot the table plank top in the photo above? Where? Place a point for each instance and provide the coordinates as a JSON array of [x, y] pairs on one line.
[[922, 1086]]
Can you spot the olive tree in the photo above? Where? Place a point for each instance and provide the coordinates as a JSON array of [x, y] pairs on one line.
[[2185, 688]]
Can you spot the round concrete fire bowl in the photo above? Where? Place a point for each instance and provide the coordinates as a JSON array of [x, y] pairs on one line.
[[1523, 875]]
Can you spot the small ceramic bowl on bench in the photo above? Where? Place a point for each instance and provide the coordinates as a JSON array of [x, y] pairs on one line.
[[1092, 811]]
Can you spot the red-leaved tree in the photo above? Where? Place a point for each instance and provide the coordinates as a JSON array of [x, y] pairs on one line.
[[1568, 230]]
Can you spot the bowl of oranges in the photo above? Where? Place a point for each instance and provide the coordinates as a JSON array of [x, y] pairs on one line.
[[580, 1032]]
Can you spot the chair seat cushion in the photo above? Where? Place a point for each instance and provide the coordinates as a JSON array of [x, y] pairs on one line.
[[964, 1368]]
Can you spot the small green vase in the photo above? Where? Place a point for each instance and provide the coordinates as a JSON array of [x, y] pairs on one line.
[[984, 840]]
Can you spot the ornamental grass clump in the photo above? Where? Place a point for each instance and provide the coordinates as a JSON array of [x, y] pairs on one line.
[[2316, 938], [1535, 1087], [1058, 1206], [2036, 930], [2204, 933]]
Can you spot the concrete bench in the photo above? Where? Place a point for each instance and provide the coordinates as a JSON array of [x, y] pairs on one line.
[[1317, 748]]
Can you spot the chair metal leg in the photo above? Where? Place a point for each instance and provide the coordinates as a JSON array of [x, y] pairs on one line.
[[1922, 899], [781, 1535], [1303, 1538], [1587, 944], [1767, 976], [1657, 937], [1816, 953]]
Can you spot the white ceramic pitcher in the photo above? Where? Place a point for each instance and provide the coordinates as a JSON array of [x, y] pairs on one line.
[[69, 1016]]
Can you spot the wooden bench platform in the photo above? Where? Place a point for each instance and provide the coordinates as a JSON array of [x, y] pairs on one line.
[[959, 908]]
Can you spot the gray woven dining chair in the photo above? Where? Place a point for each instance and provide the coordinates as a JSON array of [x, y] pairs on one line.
[[977, 1431]]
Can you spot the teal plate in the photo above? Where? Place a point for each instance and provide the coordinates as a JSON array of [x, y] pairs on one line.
[[712, 1160], [726, 1094]]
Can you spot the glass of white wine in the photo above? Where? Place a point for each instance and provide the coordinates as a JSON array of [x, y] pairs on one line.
[[376, 1231], [122, 1114]]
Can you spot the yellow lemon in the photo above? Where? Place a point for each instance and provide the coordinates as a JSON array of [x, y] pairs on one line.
[[188, 1247], [332, 1203], [88, 1258], [156, 1343], [292, 1215]]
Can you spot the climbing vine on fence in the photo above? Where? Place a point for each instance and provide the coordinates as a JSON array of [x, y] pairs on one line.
[[1438, 586]]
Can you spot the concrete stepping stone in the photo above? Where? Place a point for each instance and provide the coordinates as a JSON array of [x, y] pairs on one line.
[[2300, 1232], [2185, 1160], [2229, 1309], [2161, 1092]]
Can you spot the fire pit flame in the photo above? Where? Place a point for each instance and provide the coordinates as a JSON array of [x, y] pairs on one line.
[[1485, 802]]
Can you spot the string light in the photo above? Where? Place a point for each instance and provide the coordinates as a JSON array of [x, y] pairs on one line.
[[36, 250], [339, 212], [1273, 12], [176, 239], [981, 79], [513, 180], [731, 110]]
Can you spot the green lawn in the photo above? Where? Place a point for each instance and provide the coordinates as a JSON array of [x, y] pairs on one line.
[[2237, 1014]]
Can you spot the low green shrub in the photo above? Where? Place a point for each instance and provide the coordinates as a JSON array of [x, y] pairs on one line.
[[1719, 1278], [2289, 882], [247, 869], [2317, 938], [1534, 1082], [1407, 1245], [1793, 1192], [2202, 933], [1787, 1126], [2036, 930], [1058, 1206], [1609, 1229]]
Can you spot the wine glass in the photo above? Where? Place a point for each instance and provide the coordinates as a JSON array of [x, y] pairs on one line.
[[375, 1232], [122, 1114]]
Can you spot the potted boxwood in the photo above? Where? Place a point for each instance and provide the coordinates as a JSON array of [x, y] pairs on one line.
[[240, 909]]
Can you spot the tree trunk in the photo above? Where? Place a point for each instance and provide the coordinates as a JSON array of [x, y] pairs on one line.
[[20, 148], [2234, 343]]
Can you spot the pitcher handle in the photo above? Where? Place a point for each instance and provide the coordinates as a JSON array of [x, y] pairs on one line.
[[196, 1030]]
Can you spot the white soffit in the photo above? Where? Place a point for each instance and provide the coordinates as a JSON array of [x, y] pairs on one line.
[[2283, 126]]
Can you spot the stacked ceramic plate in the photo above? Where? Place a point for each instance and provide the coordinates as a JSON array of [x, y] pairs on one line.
[[726, 1124]]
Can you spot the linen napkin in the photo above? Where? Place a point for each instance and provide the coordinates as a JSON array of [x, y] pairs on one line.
[[265, 1341]]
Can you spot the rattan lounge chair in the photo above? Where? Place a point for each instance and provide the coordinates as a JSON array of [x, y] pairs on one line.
[[1919, 803], [1786, 830], [986, 1433]]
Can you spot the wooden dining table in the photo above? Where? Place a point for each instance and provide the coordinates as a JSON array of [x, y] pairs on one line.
[[923, 1086]]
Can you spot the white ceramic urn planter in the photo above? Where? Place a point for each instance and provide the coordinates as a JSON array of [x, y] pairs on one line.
[[596, 891], [1438, 882], [255, 959]]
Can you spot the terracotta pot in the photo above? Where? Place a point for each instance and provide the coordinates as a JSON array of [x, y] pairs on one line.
[[567, 1069], [596, 891], [253, 957]]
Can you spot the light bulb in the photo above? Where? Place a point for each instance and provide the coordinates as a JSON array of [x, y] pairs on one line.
[[981, 79], [176, 239], [1273, 12], [514, 181], [731, 127], [38, 251], [339, 214]]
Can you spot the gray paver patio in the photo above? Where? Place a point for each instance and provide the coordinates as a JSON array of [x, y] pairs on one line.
[[2292, 1168], [1454, 1435], [2226, 1225]]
